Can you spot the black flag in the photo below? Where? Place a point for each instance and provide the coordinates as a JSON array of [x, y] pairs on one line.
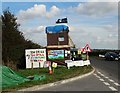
[[63, 20]]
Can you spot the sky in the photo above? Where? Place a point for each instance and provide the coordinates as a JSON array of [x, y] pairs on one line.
[[93, 23]]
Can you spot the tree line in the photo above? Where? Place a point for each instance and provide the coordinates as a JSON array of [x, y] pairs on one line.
[[13, 42]]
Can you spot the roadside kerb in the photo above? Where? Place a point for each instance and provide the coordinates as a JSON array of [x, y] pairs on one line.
[[39, 87]]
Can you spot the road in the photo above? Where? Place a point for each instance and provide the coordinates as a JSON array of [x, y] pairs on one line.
[[105, 78]]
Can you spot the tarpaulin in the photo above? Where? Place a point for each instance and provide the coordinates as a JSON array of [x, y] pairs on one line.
[[56, 28], [11, 78]]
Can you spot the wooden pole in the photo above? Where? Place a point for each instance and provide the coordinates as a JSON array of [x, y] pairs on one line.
[[39, 64], [32, 65], [87, 56]]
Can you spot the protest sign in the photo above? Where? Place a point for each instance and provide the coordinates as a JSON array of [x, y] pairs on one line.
[[35, 58]]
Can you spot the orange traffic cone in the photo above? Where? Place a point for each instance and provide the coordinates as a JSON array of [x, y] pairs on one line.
[[50, 70]]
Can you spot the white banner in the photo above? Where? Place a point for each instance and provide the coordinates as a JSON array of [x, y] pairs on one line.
[[71, 63], [78, 63], [87, 62]]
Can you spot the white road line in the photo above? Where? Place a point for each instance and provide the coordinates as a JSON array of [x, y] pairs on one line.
[[102, 75], [106, 77], [112, 88], [98, 77], [111, 80], [99, 72], [95, 74], [101, 79], [106, 83], [117, 84]]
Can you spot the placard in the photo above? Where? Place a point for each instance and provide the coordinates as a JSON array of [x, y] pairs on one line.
[[71, 63], [37, 57], [87, 62], [55, 54], [79, 63]]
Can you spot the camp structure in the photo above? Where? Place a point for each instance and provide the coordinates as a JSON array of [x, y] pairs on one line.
[[58, 43]]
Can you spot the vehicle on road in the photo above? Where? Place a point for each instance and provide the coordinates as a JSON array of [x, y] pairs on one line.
[[112, 56]]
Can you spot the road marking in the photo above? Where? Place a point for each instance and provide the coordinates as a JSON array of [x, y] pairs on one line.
[[101, 79], [112, 88], [95, 74], [106, 83], [98, 77], [111, 80], [102, 75], [117, 84], [99, 72], [106, 77]]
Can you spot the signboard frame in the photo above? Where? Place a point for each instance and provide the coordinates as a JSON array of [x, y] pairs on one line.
[[56, 54], [35, 58]]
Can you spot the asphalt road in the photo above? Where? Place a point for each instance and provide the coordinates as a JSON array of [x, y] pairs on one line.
[[108, 68], [105, 78]]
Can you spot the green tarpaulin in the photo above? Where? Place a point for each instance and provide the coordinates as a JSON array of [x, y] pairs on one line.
[[11, 78]]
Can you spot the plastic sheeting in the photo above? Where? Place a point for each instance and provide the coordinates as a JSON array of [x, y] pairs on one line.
[[11, 78], [56, 28]]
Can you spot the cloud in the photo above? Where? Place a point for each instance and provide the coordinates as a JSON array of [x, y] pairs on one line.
[[35, 34], [39, 38], [96, 9], [110, 27], [38, 29], [71, 28], [37, 11], [53, 11], [98, 33], [97, 36]]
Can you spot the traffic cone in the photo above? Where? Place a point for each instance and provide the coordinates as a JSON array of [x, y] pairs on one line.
[[50, 70]]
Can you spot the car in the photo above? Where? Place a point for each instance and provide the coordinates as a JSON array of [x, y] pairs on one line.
[[119, 56], [112, 56]]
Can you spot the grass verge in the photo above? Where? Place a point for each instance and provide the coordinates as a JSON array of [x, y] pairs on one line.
[[60, 73]]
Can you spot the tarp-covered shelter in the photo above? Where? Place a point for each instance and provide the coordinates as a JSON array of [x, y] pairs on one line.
[[56, 28], [58, 42]]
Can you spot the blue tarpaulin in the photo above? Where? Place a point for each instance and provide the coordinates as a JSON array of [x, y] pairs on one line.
[[56, 28]]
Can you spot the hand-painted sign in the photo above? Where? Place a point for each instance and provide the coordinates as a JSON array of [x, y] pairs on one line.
[[47, 64], [55, 54], [71, 63], [35, 56], [54, 65]]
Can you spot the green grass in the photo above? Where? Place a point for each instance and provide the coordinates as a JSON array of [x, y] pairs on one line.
[[60, 73]]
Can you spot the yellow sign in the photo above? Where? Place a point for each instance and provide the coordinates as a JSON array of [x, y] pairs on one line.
[[79, 52], [54, 64]]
